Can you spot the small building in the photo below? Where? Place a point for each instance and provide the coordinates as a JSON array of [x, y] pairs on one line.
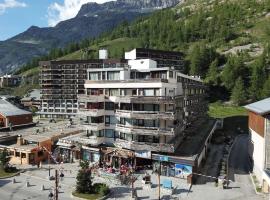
[[32, 99], [259, 128], [10, 115], [9, 81], [37, 144]]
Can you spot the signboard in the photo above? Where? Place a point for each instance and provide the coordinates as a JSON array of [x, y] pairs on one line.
[[164, 158], [182, 170], [143, 154]]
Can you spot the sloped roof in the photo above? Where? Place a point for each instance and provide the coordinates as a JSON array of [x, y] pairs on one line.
[[8, 109], [260, 107]]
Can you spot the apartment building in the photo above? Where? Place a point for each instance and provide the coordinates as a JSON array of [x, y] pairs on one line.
[[163, 58], [62, 81], [259, 127], [134, 110]]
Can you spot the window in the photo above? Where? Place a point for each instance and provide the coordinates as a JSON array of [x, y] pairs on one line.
[[109, 133], [23, 155], [149, 92], [107, 120], [94, 76], [171, 74], [114, 92], [122, 136], [113, 75], [109, 106], [17, 154]]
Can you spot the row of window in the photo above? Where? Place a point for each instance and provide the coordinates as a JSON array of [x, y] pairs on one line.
[[109, 133]]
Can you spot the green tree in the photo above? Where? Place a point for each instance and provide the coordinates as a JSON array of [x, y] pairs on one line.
[[266, 89], [238, 96], [84, 179], [195, 60], [4, 158], [212, 74], [257, 79]]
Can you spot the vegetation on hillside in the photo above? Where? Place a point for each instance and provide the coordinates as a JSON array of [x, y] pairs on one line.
[[205, 31]]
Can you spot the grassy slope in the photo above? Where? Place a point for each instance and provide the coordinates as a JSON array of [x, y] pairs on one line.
[[115, 46], [219, 110]]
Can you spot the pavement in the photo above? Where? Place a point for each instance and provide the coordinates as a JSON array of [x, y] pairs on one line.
[[240, 189]]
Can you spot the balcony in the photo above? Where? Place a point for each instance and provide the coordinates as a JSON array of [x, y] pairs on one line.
[[91, 98], [145, 114], [91, 112], [144, 99], [92, 140], [141, 130], [143, 146], [93, 126]]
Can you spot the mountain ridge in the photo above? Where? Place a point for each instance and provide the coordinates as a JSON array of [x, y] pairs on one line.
[[92, 20]]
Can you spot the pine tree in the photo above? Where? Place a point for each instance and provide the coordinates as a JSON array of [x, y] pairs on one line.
[[212, 74], [238, 96], [195, 60], [257, 79], [84, 179], [266, 89]]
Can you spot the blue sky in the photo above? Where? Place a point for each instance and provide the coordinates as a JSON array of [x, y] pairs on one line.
[[17, 16]]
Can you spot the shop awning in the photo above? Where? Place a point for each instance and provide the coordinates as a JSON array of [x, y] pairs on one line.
[[62, 144]]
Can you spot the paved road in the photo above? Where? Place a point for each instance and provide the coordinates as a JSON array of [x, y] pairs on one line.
[[240, 166]]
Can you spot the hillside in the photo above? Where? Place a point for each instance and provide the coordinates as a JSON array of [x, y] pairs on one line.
[[225, 42], [92, 20]]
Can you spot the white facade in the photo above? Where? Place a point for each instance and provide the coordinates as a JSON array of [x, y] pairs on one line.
[[142, 64], [103, 54], [131, 55], [258, 148]]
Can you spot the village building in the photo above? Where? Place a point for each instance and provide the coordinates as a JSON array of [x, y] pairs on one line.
[[37, 144], [259, 128], [12, 116]]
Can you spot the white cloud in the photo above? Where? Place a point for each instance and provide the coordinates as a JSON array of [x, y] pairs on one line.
[[10, 4], [69, 9]]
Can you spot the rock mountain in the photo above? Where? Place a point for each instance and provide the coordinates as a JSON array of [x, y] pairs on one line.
[[92, 20]]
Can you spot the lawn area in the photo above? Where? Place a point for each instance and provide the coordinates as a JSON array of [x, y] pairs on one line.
[[219, 110], [87, 196], [5, 174]]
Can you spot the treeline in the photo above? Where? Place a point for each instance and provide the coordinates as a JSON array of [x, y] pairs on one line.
[[199, 33]]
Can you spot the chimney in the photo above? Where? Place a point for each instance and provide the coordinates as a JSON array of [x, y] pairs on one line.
[[103, 54]]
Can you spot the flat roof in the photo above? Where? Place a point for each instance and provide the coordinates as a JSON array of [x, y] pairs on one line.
[[8, 109], [260, 107], [45, 130]]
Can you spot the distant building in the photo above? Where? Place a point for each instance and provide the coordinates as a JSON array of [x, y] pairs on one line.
[[9, 81], [62, 81], [32, 99], [11, 115], [259, 127], [163, 58]]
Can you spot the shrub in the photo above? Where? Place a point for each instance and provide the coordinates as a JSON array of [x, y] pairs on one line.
[[101, 188]]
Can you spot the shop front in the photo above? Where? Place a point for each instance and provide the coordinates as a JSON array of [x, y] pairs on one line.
[[172, 166], [91, 154], [113, 157]]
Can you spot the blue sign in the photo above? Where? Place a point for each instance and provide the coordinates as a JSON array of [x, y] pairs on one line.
[[164, 158], [182, 170]]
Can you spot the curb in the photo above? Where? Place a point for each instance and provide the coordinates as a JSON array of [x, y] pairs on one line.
[[101, 198], [254, 186], [16, 174]]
